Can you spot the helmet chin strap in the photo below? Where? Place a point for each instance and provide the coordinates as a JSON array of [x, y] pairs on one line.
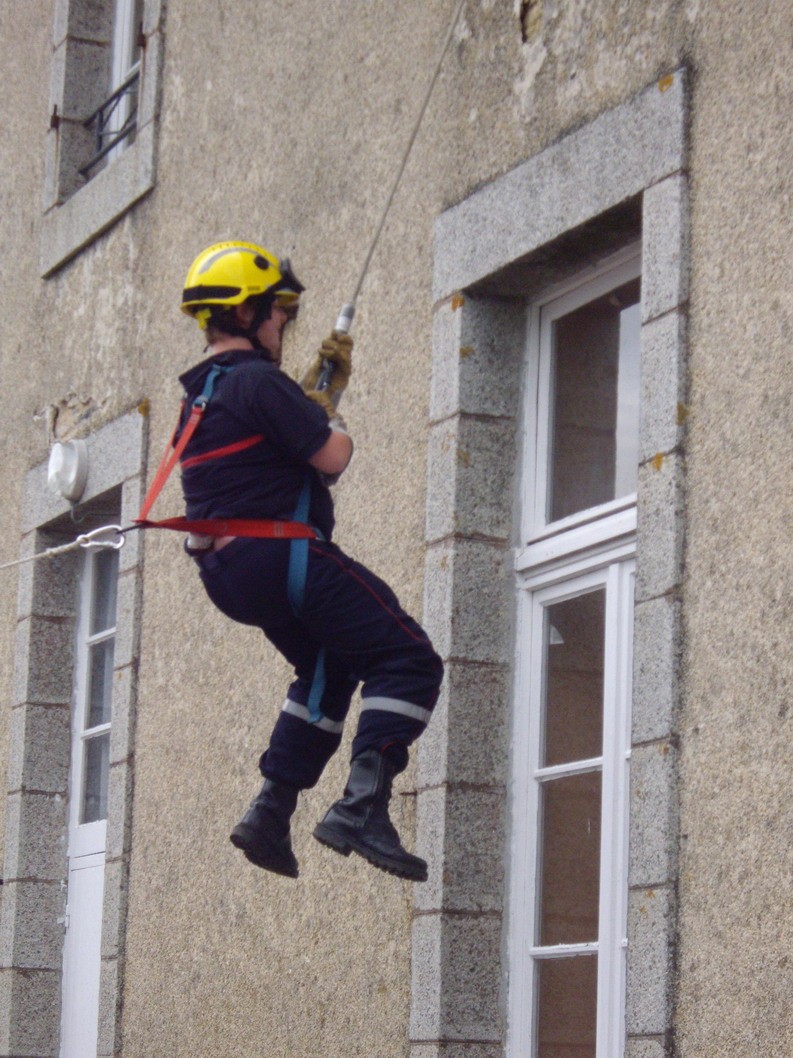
[[257, 345], [264, 309]]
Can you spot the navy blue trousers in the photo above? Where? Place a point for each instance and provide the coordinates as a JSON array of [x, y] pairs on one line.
[[368, 639]]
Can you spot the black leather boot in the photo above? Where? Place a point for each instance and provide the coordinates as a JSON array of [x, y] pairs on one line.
[[263, 832], [359, 822]]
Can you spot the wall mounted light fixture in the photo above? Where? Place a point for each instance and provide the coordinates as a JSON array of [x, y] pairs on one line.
[[67, 470]]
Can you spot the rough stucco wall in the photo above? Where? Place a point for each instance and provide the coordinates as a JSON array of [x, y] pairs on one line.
[[285, 123], [736, 973], [21, 172], [239, 961], [286, 126]]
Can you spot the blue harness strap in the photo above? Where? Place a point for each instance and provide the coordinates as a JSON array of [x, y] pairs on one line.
[[298, 555], [296, 591], [209, 386]]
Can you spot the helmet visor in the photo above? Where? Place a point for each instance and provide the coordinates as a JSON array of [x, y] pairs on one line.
[[288, 303], [289, 281]]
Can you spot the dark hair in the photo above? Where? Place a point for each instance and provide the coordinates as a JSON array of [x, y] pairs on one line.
[[223, 318], [221, 321]]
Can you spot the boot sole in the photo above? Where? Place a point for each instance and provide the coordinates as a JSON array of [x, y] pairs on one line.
[[258, 856], [345, 846]]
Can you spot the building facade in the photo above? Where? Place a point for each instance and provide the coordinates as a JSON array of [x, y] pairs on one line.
[[571, 408]]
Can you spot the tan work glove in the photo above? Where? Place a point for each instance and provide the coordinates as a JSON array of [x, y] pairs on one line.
[[338, 350], [322, 398]]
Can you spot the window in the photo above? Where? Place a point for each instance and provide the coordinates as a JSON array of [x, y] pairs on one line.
[[88, 796], [104, 99], [592, 428], [572, 733], [114, 122], [595, 190], [69, 795], [582, 458]]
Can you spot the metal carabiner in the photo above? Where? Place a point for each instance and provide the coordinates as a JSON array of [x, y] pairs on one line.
[[94, 538]]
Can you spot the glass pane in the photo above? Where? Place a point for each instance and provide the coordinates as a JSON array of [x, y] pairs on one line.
[[103, 601], [595, 417], [570, 865], [574, 650], [567, 1016], [127, 21], [95, 765], [100, 682]]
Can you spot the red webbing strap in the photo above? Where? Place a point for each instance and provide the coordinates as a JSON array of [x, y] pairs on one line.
[[226, 450], [260, 527], [169, 460]]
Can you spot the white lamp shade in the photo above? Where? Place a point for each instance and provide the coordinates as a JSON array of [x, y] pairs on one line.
[[67, 470]]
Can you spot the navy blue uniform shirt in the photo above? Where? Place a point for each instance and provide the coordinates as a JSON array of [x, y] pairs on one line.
[[262, 481]]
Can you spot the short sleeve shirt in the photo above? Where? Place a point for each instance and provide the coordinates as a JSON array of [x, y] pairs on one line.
[[263, 479]]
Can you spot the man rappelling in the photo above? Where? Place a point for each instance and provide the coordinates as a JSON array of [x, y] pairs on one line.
[[263, 458]]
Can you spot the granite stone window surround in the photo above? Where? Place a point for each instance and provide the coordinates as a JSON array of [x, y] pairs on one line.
[[621, 177], [78, 209], [34, 893]]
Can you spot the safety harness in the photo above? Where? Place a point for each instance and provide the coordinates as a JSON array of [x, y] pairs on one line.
[[260, 527], [298, 531]]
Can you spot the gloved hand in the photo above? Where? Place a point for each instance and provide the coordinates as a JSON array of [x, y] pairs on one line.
[[338, 350], [322, 398]]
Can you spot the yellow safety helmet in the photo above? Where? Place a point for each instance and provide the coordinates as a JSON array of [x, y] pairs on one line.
[[229, 273]]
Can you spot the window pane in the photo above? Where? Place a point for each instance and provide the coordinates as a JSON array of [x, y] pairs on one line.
[[103, 602], [574, 650], [570, 865], [100, 682], [95, 766], [626, 470], [126, 49], [567, 1017], [595, 401]]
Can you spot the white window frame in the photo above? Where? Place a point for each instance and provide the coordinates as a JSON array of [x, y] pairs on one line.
[[123, 65], [125, 33], [615, 574], [546, 541], [85, 838], [557, 561], [79, 1026], [86, 843]]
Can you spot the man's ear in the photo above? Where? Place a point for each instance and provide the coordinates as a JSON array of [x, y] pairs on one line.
[[244, 314]]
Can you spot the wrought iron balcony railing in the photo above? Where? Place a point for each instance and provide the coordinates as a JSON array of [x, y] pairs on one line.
[[120, 110]]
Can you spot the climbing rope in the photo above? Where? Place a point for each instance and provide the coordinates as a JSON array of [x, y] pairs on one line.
[[96, 538]]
